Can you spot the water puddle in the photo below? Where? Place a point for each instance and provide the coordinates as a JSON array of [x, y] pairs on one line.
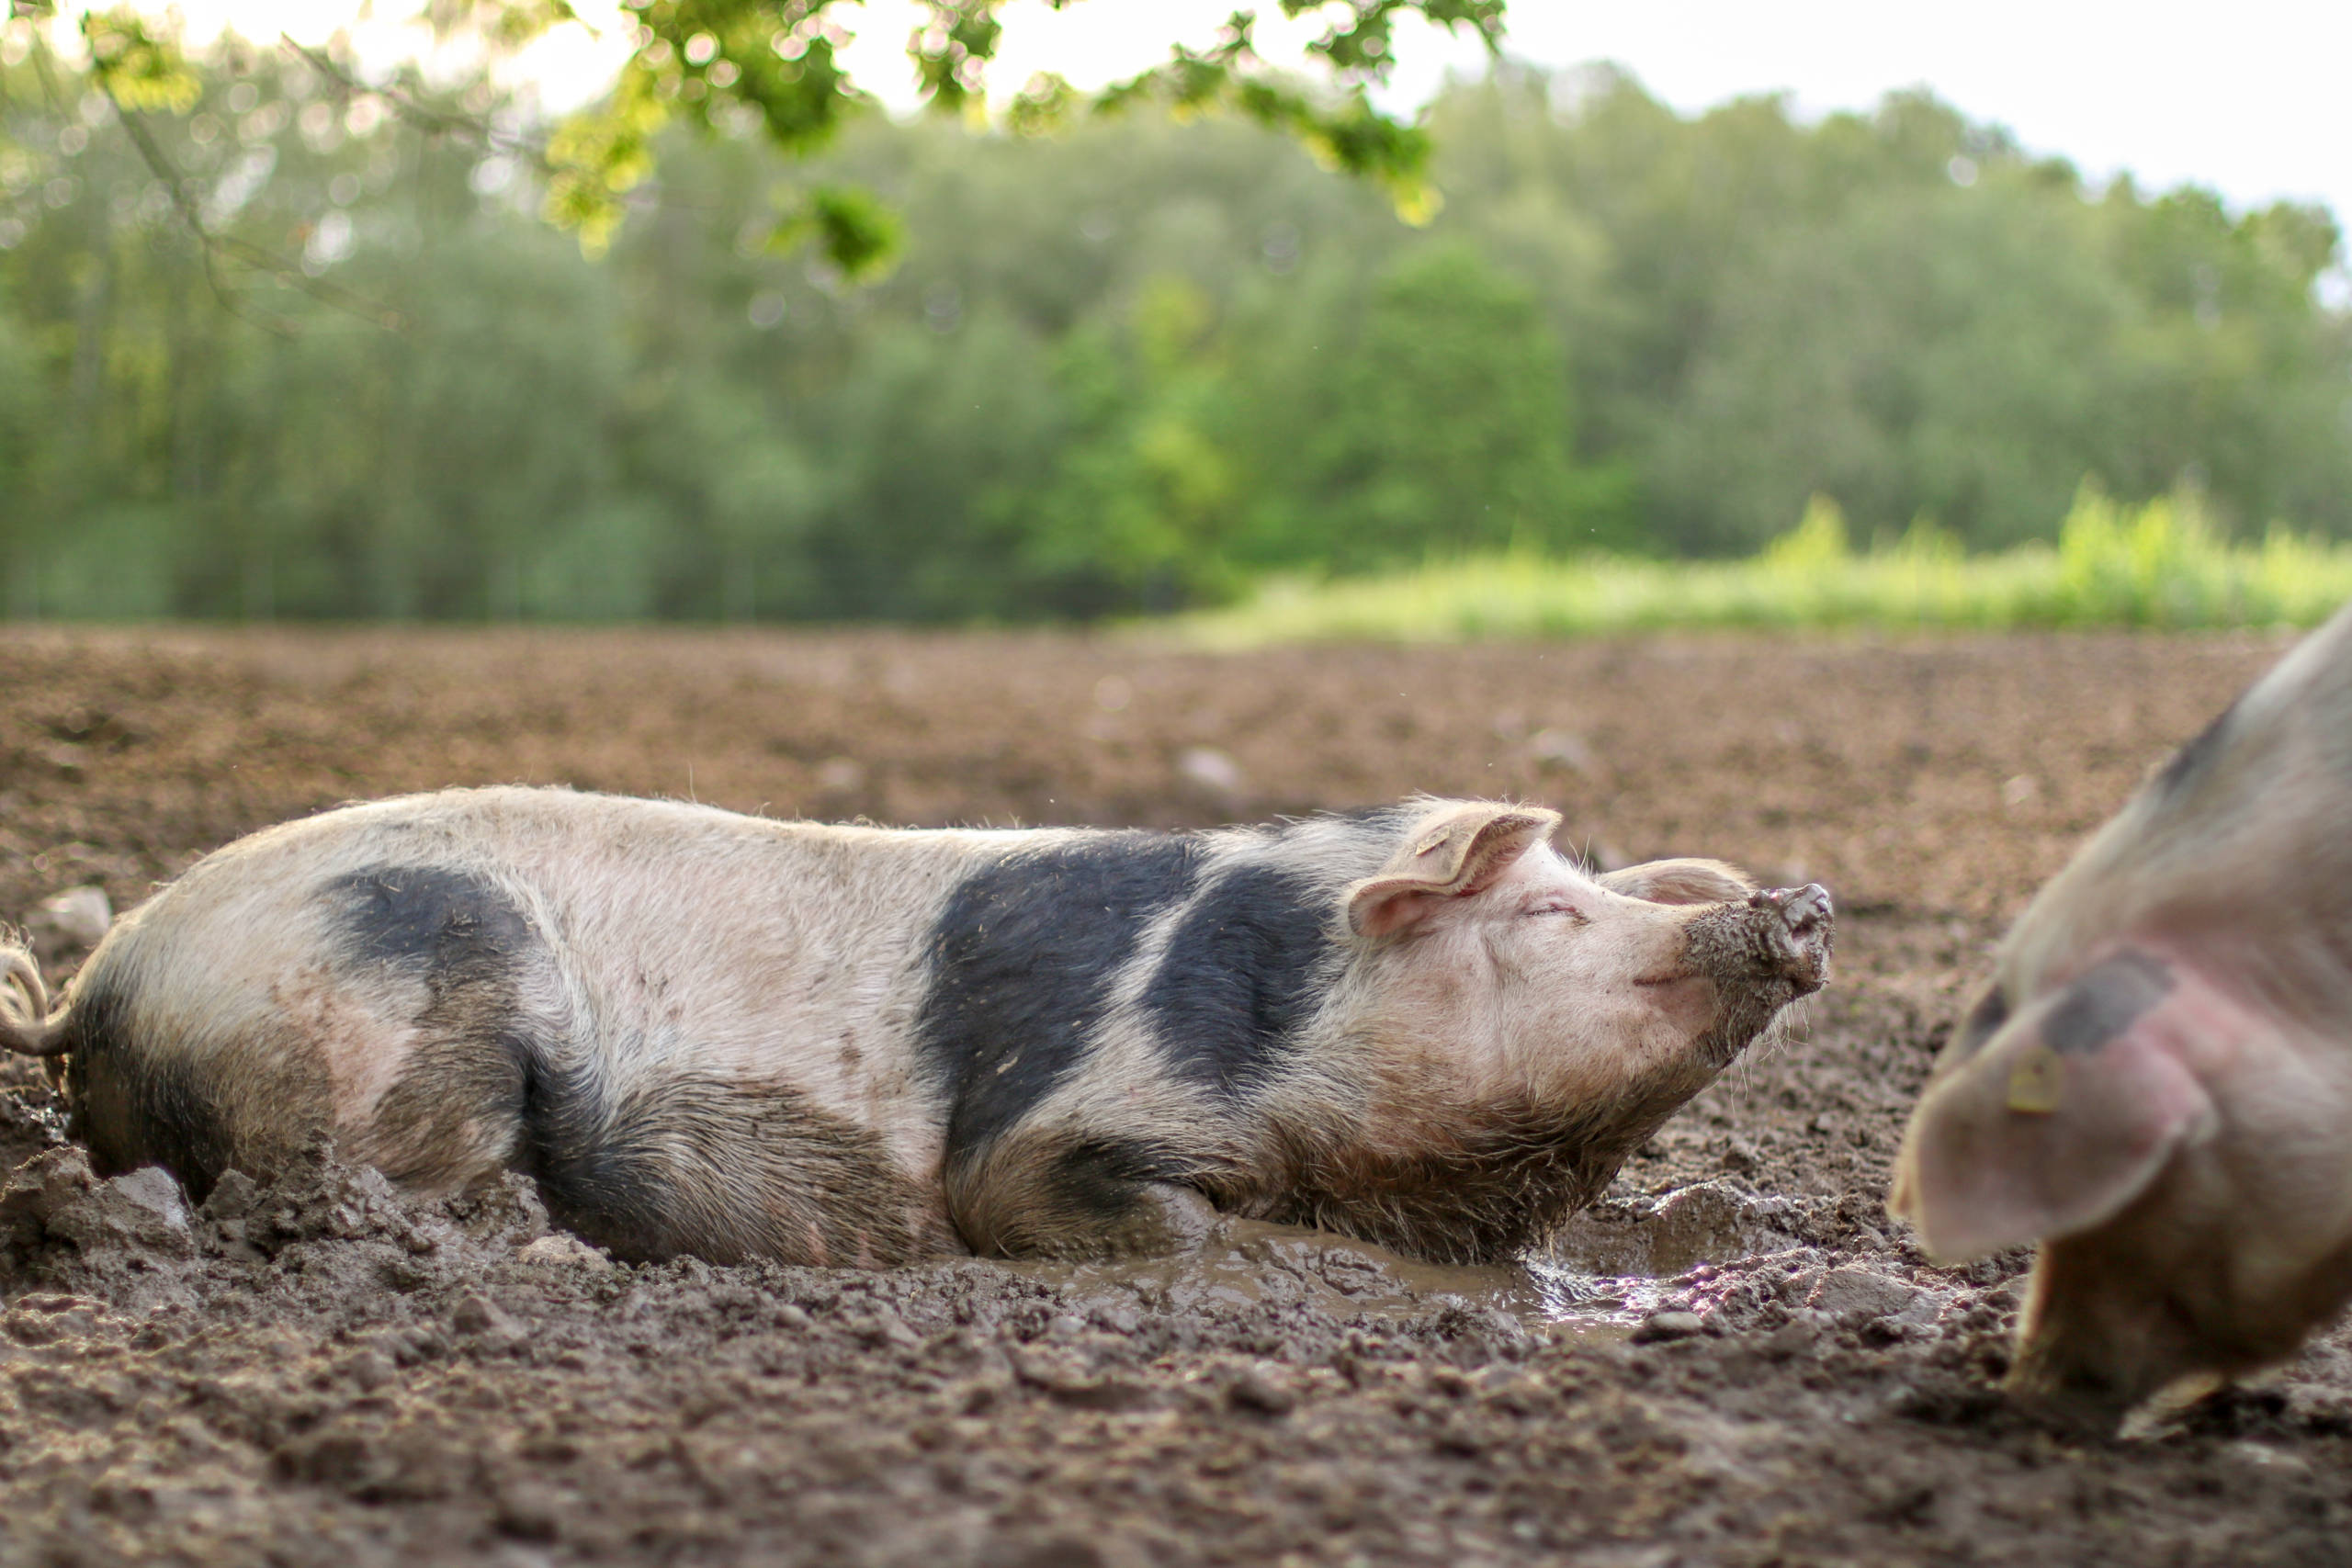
[[1662, 1237], [1581, 1301], [1614, 1266]]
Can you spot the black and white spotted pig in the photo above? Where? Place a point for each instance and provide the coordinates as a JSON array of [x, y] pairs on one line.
[[710, 1033], [2157, 1085]]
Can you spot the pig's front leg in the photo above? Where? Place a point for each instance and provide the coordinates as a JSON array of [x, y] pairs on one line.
[[1180, 1217], [1159, 1218], [1027, 1203]]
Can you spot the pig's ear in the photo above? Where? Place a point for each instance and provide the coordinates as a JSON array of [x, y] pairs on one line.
[[1680, 882], [1452, 854], [2062, 1119]]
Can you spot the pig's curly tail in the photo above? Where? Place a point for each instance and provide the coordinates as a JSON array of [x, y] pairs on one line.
[[25, 1027]]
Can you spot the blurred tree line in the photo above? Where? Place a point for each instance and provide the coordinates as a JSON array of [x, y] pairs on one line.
[[1122, 368]]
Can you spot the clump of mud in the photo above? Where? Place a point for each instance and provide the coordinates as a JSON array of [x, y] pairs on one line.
[[319, 1231]]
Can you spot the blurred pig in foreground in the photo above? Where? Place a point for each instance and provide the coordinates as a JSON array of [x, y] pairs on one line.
[[716, 1035], [2158, 1086]]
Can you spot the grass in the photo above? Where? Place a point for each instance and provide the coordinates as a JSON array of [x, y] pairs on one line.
[[2156, 564]]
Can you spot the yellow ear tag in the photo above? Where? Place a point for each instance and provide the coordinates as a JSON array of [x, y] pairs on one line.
[[2034, 1082]]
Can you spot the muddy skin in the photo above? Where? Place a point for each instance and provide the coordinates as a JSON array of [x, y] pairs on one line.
[[1733, 1359], [1766, 955]]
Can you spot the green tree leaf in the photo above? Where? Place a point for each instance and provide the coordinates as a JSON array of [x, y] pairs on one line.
[[135, 66]]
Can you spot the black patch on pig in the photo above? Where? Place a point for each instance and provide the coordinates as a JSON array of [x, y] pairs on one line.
[[1023, 959], [1984, 1021], [1051, 1193], [136, 1100], [462, 1098], [135, 1107], [1097, 1177], [428, 916], [173, 1122], [688, 1162], [662, 1162], [2188, 763], [2105, 1001], [1244, 968]]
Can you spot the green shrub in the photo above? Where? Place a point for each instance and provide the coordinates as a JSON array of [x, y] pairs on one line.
[[2162, 564]]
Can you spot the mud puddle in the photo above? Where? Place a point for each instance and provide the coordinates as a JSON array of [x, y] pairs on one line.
[[1244, 1264], [1617, 1266]]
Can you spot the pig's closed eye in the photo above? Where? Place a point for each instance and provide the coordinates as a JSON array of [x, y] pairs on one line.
[[1554, 906]]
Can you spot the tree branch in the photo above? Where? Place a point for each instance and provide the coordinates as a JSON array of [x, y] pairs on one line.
[[208, 246]]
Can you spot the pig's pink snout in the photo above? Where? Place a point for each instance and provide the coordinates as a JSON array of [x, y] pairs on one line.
[[1797, 923]]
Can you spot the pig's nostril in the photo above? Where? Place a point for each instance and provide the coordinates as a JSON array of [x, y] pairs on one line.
[[1804, 907], [1802, 914]]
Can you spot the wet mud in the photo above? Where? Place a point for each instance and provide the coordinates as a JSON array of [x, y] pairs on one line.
[[1735, 1357]]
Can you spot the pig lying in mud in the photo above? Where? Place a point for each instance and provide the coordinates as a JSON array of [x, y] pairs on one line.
[[709, 1034], [2158, 1086]]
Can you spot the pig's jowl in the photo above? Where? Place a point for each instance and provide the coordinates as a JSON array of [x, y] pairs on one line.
[[709, 1034], [2156, 1086]]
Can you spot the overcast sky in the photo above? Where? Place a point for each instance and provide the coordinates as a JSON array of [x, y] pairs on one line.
[[2248, 98]]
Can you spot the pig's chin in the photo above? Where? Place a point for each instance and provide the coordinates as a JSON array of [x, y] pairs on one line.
[[1746, 1013]]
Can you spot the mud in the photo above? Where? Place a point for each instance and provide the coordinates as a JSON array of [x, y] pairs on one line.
[[1734, 1359]]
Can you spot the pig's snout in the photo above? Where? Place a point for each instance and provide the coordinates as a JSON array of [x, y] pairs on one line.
[[1794, 927], [1762, 953]]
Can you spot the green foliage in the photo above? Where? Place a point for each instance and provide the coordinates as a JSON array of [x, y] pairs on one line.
[[595, 161], [1817, 544], [858, 234], [2159, 564], [1449, 430], [708, 60], [133, 64], [1144, 502], [1133, 367]]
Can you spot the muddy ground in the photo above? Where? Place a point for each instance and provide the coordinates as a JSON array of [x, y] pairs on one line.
[[317, 1371]]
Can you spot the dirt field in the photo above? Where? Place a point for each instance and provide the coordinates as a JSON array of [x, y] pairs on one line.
[[317, 1371]]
